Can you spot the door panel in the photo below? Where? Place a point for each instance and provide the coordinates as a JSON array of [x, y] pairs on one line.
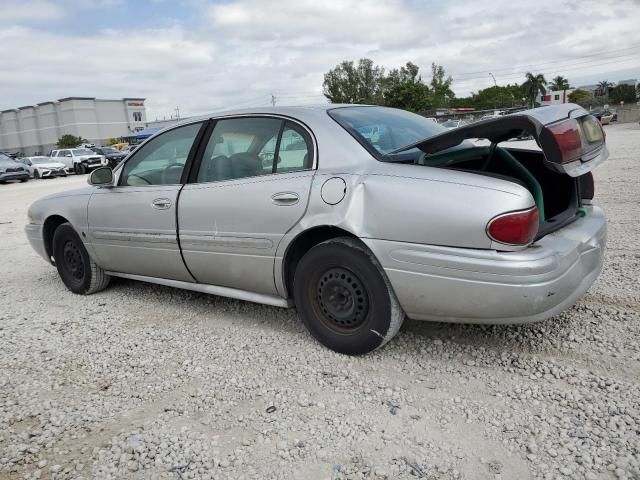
[[132, 235], [133, 227], [229, 231]]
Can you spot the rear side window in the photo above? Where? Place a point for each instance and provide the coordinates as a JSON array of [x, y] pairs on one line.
[[295, 151], [254, 146]]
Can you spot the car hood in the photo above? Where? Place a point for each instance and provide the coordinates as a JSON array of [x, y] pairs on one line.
[[48, 165], [10, 164]]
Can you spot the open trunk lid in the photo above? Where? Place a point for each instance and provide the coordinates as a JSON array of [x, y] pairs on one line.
[[571, 139]]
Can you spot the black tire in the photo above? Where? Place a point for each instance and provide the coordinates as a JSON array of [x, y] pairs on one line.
[[77, 270], [36, 174], [344, 298], [82, 169], [22, 180]]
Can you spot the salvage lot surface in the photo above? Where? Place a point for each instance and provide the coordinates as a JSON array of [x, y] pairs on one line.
[[143, 381]]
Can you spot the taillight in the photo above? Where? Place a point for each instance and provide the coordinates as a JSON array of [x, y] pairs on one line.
[[567, 137], [514, 228]]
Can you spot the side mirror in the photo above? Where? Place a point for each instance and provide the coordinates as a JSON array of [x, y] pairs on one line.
[[102, 176]]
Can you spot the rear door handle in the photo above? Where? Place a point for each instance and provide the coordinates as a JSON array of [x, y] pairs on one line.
[[285, 198], [161, 203]]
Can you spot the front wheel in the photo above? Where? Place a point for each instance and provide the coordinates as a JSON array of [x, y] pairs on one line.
[[344, 298], [76, 268], [36, 174]]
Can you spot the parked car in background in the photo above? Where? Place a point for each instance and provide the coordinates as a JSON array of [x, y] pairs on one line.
[[295, 207], [128, 149], [44, 167], [11, 169], [605, 116], [451, 124], [113, 155], [495, 114], [78, 160]]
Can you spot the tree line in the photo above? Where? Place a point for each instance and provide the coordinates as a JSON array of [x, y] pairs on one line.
[[367, 83]]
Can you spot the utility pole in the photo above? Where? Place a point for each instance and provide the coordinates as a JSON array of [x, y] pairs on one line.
[[273, 100], [177, 110]]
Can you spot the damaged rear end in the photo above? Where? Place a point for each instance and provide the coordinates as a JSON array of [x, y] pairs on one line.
[[485, 233], [558, 175]]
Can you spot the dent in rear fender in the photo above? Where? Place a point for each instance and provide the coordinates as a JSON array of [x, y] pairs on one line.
[[409, 209]]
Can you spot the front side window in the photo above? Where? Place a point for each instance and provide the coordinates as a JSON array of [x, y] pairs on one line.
[[161, 160], [382, 130]]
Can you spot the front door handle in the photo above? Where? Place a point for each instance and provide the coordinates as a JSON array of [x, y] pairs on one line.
[[161, 203], [285, 198]]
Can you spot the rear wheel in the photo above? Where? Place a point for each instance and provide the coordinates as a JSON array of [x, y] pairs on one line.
[[344, 298], [77, 270]]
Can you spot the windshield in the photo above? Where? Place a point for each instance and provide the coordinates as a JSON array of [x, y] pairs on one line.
[[40, 159], [451, 123], [109, 150], [83, 151], [385, 129]]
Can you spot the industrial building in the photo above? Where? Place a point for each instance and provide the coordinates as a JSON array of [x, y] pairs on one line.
[[35, 129]]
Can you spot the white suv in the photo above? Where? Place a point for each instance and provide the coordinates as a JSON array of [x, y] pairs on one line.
[[79, 160]]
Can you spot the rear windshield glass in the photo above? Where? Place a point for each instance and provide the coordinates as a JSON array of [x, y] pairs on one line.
[[83, 151], [382, 130]]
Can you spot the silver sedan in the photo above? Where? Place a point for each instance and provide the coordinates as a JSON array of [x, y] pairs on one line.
[[359, 216]]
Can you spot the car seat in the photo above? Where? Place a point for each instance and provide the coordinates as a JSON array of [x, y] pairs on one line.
[[245, 165]]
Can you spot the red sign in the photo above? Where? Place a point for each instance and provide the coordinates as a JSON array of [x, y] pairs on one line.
[[135, 104]]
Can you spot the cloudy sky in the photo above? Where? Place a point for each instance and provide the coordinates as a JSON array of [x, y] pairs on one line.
[[204, 55]]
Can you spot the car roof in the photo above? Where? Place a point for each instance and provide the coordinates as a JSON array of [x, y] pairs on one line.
[[296, 111]]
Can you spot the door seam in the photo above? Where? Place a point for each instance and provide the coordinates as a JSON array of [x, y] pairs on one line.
[[184, 262]]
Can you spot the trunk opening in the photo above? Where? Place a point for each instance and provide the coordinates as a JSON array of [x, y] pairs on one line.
[[556, 194]]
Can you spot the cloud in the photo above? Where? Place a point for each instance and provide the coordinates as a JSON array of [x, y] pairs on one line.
[[240, 52], [19, 10]]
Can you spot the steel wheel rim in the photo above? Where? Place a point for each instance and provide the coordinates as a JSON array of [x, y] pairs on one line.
[[73, 261], [341, 299]]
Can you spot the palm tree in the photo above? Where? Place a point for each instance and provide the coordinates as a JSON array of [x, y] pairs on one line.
[[603, 88], [559, 83], [533, 85]]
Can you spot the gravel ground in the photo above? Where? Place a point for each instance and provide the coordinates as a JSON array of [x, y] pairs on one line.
[[143, 381]]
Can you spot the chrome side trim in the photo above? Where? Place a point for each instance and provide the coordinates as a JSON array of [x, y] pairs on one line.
[[208, 240], [272, 300], [135, 236]]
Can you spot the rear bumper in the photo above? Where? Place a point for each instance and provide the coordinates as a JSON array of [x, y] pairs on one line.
[[34, 235], [486, 286]]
